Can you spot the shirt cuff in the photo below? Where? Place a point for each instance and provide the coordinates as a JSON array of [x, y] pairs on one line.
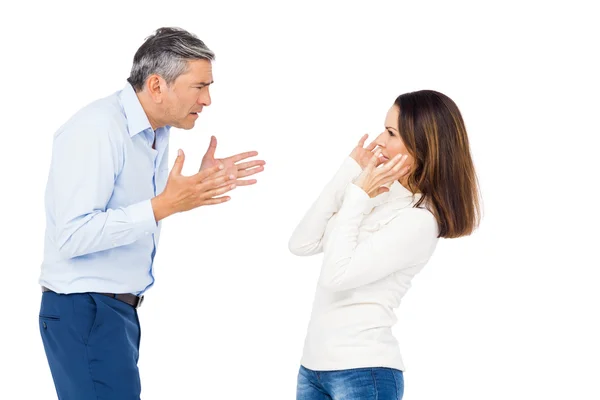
[[142, 216], [357, 199], [351, 166], [348, 171]]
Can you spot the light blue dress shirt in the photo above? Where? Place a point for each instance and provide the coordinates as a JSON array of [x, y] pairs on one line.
[[101, 235]]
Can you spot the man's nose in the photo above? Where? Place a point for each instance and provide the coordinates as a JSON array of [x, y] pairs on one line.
[[205, 99]]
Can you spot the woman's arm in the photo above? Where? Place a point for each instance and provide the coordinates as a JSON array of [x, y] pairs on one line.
[[307, 238], [407, 240]]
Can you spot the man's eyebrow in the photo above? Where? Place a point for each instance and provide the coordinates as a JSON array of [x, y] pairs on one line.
[[203, 83]]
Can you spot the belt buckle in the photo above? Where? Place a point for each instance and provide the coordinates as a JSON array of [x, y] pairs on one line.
[[138, 303]]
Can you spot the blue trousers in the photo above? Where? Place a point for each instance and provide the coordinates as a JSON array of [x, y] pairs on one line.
[[92, 345], [350, 384]]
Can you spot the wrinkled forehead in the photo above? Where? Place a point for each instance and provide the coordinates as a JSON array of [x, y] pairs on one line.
[[197, 72]]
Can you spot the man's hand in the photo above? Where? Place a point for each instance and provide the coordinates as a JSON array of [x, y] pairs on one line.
[[244, 169], [183, 193]]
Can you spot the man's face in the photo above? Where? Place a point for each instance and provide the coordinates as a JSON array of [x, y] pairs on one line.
[[188, 95]]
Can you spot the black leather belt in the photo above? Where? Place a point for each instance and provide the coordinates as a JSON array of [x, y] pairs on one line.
[[128, 298]]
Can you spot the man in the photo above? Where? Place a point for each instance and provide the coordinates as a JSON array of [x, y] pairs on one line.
[[107, 192]]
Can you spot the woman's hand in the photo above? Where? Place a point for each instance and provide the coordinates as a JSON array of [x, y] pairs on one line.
[[361, 154], [374, 180]]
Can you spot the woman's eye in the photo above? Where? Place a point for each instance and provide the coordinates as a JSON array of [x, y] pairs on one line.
[[390, 132]]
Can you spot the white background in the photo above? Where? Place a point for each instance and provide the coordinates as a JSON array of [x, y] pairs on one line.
[[508, 313]]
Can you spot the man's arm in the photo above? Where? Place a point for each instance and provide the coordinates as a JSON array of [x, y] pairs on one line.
[[86, 160]]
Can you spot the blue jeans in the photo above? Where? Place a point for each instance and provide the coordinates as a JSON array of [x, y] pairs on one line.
[[92, 345], [350, 384]]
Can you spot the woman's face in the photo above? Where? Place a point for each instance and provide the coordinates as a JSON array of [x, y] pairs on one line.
[[390, 141]]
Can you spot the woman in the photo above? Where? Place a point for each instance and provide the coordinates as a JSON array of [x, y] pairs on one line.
[[378, 222]]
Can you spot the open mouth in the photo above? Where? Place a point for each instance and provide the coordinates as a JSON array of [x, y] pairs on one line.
[[382, 157]]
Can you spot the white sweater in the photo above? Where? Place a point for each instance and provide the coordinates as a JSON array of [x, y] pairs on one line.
[[372, 250]]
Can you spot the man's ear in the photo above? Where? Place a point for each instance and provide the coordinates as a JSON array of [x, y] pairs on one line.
[[155, 85]]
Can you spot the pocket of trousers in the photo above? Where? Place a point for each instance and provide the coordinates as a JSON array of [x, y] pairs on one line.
[[86, 315], [49, 317]]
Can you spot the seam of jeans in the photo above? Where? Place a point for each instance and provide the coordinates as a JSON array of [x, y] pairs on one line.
[[318, 385], [395, 383], [375, 384]]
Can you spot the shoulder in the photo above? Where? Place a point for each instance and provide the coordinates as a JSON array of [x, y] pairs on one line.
[[102, 119], [420, 221]]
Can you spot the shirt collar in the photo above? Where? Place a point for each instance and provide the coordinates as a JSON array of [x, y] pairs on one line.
[[397, 194], [137, 120]]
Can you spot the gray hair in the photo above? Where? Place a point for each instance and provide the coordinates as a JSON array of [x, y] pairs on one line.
[[166, 53]]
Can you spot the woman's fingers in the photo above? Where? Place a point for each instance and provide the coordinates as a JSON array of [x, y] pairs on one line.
[[374, 161], [391, 171], [362, 140], [393, 165], [371, 146]]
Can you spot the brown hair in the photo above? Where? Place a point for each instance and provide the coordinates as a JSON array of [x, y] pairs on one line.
[[434, 133]]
